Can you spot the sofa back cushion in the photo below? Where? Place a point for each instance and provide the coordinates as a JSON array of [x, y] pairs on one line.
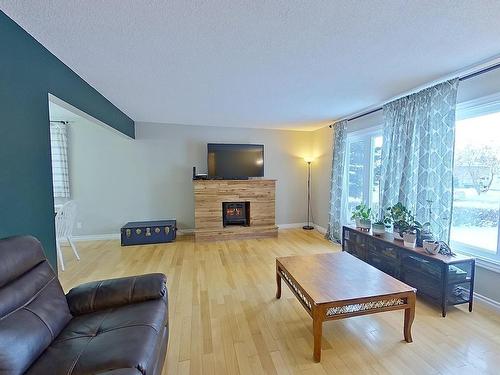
[[33, 307]]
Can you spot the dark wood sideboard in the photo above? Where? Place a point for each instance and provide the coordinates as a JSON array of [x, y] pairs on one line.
[[440, 279]]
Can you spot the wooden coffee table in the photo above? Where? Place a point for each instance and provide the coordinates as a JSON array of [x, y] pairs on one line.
[[338, 285]]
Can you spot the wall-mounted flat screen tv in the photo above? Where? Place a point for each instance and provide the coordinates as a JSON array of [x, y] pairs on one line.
[[235, 161]]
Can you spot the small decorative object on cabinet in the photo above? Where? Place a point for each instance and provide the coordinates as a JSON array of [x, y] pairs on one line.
[[148, 232], [431, 247], [442, 279]]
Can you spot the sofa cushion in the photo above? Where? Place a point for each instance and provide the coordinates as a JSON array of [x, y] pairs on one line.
[[33, 307], [116, 340]]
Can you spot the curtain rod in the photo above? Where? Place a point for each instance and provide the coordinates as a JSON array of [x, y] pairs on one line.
[[463, 78]]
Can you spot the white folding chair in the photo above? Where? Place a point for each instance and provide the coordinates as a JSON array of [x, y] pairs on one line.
[[65, 220]]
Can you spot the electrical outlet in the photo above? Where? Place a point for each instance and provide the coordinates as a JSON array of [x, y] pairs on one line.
[[79, 225]]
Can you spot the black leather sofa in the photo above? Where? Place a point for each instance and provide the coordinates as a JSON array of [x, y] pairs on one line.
[[112, 327]]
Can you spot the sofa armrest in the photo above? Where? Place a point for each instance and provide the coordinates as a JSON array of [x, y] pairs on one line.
[[105, 294]]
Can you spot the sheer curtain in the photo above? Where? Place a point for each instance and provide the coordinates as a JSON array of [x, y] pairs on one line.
[[59, 151], [417, 155], [334, 230]]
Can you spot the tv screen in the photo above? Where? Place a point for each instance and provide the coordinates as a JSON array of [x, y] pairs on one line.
[[233, 161]]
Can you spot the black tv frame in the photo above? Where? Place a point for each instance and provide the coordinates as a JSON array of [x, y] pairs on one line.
[[236, 177]]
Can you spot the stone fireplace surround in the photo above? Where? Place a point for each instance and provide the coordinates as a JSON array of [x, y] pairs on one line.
[[258, 194]]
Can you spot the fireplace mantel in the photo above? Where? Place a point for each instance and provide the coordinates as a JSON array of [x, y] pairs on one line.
[[209, 196]]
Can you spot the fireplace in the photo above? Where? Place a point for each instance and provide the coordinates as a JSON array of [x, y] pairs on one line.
[[236, 213]]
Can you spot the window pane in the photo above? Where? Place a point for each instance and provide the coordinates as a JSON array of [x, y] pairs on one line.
[[476, 198], [356, 171]]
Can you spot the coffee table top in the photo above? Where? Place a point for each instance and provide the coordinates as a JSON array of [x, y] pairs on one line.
[[340, 276]]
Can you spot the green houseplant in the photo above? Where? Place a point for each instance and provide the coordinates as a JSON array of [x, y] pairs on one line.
[[408, 230], [378, 228], [404, 224], [362, 215], [384, 221]]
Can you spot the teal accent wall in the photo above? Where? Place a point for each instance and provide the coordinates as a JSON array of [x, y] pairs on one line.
[[28, 73]]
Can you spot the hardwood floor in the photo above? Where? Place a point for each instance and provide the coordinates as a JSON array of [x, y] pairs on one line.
[[224, 318]]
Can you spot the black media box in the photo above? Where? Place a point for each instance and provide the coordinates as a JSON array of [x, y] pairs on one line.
[[148, 232]]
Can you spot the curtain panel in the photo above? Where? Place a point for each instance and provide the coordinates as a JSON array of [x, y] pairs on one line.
[[59, 151], [417, 155], [337, 178]]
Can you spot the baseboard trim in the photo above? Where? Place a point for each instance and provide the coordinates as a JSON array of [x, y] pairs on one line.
[[487, 301], [184, 232], [97, 237], [181, 232], [116, 236], [320, 229], [291, 225]]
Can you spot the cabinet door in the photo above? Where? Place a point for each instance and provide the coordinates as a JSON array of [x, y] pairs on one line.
[[386, 264], [422, 274], [355, 243]]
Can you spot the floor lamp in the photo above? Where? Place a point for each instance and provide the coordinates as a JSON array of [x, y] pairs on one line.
[[308, 226]]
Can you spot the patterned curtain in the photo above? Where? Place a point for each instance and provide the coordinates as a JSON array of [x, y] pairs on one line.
[[334, 230], [59, 151], [417, 154]]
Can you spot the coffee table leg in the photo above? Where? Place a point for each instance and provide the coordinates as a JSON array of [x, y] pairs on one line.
[[317, 332], [278, 284], [409, 316]]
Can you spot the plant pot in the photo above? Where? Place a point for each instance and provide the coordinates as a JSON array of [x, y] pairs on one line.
[[395, 232], [364, 224], [378, 229], [431, 247], [409, 239], [424, 235]]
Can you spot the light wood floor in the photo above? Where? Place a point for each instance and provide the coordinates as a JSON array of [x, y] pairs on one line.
[[224, 318]]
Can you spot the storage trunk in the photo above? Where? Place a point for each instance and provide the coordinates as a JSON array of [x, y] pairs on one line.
[[148, 232]]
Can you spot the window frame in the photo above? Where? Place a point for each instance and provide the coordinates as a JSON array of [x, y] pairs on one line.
[[352, 137], [475, 108]]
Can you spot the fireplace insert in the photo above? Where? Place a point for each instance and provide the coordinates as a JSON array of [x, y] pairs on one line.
[[236, 213]]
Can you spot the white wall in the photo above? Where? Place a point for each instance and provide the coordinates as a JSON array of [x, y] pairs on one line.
[[322, 146], [115, 180]]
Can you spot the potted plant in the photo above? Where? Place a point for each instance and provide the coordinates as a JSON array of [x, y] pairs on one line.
[[362, 215], [378, 228], [408, 230], [381, 225], [398, 215], [425, 233]]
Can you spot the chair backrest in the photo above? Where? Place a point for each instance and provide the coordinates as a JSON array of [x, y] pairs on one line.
[[33, 307], [65, 219]]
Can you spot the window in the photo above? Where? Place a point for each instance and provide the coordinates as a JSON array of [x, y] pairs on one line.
[[363, 164], [476, 179], [59, 153]]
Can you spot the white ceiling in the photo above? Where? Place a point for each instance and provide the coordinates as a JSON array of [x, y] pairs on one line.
[[271, 64]]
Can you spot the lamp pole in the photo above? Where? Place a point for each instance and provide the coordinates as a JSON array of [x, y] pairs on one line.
[[308, 226]]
